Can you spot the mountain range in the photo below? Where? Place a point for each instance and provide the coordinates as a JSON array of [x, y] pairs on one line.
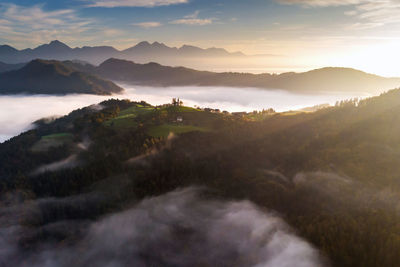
[[53, 77], [142, 52]]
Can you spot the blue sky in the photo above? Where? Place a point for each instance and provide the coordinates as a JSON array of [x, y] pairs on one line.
[[309, 32]]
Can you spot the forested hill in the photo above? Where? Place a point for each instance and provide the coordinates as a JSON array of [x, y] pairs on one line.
[[332, 174], [53, 77], [315, 81]]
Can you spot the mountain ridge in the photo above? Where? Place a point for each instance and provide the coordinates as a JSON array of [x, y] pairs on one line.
[[142, 51]]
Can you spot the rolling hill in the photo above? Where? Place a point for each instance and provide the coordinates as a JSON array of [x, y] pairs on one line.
[[315, 81]]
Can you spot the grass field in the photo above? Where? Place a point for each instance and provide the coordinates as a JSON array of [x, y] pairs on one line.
[[194, 119], [125, 119], [259, 116], [291, 113], [180, 109], [136, 110], [165, 129]]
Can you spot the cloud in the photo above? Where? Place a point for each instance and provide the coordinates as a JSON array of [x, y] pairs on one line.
[[149, 24], [20, 25], [135, 3], [200, 22], [378, 12], [192, 19], [340, 189], [322, 3], [29, 108], [194, 15], [29, 26], [63, 164], [368, 13], [155, 233]]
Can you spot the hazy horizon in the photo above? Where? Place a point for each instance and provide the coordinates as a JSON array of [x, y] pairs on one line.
[[248, 63], [359, 34]]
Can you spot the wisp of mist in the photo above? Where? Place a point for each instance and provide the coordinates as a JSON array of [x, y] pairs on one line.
[[17, 112]]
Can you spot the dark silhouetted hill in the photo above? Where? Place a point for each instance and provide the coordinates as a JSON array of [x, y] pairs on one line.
[[52, 77]]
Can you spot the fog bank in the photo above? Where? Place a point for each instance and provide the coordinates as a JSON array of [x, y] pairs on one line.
[[18, 112], [175, 229]]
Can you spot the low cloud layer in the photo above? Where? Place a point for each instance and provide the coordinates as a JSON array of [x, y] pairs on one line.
[[176, 229], [18, 112]]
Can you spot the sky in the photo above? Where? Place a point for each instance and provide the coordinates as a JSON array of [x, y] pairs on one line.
[[295, 34]]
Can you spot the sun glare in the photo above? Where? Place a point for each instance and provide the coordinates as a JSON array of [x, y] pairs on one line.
[[381, 59]]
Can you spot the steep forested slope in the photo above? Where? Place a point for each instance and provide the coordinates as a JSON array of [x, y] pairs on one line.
[[332, 174]]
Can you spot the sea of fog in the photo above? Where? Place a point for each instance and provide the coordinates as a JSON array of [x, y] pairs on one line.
[[17, 112]]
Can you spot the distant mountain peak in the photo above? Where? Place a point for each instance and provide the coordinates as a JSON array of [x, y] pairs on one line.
[[112, 60], [56, 43], [143, 44], [7, 48], [159, 45], [116, 63], [53, 46], [185, 46]]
